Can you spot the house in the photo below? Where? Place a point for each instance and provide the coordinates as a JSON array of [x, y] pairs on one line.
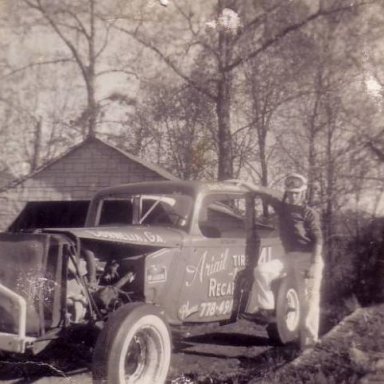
[[58, 193]]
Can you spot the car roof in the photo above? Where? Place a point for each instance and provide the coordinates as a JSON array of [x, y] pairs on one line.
[[187, 187]]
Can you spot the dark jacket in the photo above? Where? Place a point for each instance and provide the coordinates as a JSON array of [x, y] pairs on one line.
[[299, 226]]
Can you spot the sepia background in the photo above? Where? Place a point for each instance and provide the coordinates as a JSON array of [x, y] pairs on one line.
[[219, 89]]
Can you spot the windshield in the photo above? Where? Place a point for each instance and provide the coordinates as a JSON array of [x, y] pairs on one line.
[[172, 210]]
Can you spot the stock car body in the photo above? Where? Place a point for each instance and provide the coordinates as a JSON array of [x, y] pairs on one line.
[[152, 256]]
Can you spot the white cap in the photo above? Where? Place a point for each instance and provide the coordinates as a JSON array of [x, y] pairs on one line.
[[296, 183]]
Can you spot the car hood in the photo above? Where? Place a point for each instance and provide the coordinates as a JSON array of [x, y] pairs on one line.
[[135, 235]]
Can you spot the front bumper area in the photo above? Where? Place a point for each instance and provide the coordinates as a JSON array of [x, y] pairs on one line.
[[16, 342]]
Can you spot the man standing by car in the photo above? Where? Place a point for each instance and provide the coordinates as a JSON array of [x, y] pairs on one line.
[[301, 235]]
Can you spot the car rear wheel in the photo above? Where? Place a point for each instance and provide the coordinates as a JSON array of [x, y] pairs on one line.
[[288, 313], [134, 347]]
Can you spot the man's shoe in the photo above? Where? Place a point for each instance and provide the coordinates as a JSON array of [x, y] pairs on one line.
[[307, 349], [308, 344]]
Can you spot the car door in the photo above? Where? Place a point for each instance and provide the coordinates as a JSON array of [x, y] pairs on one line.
[[215, 256]]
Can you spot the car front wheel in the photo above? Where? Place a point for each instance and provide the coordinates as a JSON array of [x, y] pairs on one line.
[[134, 347]]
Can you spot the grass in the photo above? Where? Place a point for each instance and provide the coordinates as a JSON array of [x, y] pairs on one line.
[[349, 352]]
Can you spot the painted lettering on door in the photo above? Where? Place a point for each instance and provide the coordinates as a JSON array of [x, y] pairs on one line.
[[265, 255]]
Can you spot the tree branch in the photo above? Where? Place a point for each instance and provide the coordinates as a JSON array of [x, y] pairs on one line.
[[107, 71], [376, 150], [168, 61], [188, 18], [17, 107], [81, 28], [31, 65], [38, 7], [291, 28], [106, 38], [255, 22]]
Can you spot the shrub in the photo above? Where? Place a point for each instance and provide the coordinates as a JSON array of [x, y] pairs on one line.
[[354, 272], [369, 263]]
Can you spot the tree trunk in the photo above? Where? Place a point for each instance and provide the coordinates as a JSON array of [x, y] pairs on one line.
[[225, 169], [92, 105], [311, 165], [262, 138], [313, 130], [223, 102], [330, 185], [36, 145]]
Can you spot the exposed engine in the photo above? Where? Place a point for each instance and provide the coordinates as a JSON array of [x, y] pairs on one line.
[[104, 282]]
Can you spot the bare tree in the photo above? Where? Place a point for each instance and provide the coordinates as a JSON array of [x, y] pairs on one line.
[[169, 126], [233, 23], [320, 140], [84, 28]]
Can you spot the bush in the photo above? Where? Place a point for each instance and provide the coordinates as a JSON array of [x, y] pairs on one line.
[[355, 266], [368, 248], [340, 270], [354, 273]]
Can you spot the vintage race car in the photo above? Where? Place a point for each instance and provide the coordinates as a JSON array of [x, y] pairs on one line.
[[151, 257]]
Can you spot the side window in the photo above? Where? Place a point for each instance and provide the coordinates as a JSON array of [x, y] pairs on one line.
[[117, 211], [167, 210], [156, 212], [222, 216], [265, 214]]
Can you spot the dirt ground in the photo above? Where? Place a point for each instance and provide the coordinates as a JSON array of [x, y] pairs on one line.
[[229, 354], [350, 353], [239, 353], [210, 353]]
